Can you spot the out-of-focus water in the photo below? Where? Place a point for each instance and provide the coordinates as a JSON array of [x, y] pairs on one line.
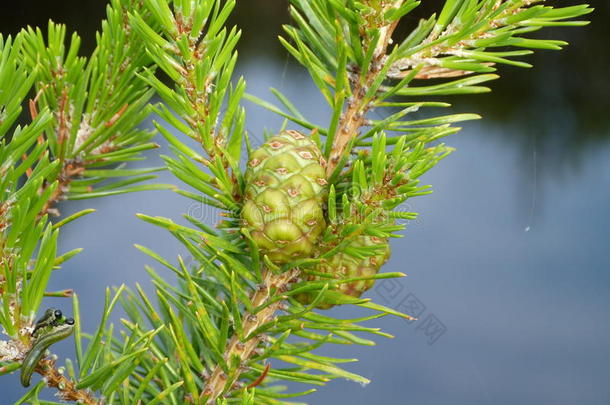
[[507, 265]]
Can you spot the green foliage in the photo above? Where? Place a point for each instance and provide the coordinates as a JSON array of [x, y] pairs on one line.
[[222, 317], [193, 47], [232, 329], [23, 233], [84, 127], [97, 103]]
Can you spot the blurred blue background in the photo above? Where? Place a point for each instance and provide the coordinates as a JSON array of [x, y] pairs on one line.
[[508, 263]]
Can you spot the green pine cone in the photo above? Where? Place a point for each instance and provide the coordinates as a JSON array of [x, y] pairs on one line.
[[284, 196], [342, 266]]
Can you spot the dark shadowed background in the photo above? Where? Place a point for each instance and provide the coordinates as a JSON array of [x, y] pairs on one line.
[[508, 263]]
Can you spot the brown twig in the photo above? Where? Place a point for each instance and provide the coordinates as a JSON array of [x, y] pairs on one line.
[[68, 171], [67, 388], [353, 118], [219, 382]]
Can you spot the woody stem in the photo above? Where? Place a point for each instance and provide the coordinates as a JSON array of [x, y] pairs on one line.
[[239, 350]]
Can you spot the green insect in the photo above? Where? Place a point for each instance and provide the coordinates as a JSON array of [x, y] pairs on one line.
[[49, 329], [50, 316]]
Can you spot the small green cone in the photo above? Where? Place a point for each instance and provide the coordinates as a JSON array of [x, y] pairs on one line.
[[284, 196], [344, 266]]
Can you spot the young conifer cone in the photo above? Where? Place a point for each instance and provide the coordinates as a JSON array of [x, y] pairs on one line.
[[344, 266], [285, 193]]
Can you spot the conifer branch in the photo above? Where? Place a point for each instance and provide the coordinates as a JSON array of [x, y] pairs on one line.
[[349, 51], [447, 45], [66, 388], [241, 347], [376, 164], [354, 116], [257, 277], [84, 126]]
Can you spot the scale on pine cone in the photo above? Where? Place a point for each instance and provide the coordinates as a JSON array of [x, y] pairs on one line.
[[344, 266], [284, 197]]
